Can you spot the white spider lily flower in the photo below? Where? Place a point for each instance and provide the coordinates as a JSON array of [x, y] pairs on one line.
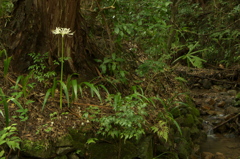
[[62, 31]]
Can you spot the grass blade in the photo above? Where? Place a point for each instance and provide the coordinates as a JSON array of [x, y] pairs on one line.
[[46, 97], [5, 105], [93, 89], [17, 81], [104, 88], [6, 63], [54, 87], [14, 100]]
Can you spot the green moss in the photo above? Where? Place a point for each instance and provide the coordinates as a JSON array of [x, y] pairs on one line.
[[184, 149], [40, 149], [189, 120], [79, 140], [194, 111], [104, 150], [61, 157], [186, 133], [66, 140], [176, 113]]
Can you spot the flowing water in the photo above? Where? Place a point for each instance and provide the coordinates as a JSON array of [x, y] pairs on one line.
[[229, 145]]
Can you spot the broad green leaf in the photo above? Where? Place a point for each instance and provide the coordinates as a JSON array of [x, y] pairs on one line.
[[181, 79], [29, 101], [91, 141], [107, 60], [104, 69], [1, 154], [114, 65], [75, 88], [5, 105], [98, 60], [116, 30]]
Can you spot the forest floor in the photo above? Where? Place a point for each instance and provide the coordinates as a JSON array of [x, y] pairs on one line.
[[214, 91], [35, 123]]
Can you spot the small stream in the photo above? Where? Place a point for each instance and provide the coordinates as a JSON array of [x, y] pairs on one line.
[[228, 145], [221, 123], [216, 94]]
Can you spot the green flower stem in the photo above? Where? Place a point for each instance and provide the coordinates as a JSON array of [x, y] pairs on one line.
[[61, 79]]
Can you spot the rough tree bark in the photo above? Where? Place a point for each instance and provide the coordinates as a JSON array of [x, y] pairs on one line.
[[29, 30]]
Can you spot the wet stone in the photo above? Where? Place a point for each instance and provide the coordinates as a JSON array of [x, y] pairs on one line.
[[64, 150]]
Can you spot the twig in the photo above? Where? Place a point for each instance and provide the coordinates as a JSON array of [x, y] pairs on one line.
[[226, 121]]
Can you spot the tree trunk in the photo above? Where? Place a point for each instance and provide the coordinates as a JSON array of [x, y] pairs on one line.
[[30, 30]]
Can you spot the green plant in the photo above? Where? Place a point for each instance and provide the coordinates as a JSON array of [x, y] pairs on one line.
[[26, 86], [24, 91], [65, 113], [91, 112], [52, 91], [46, 127], [5, 101], [112, 66], [76, 89], [8, 137], [78, 151], [217, 31], [128, 120], [191, 58], [63, 32], [91, 141], [167, 113], [23, 114], [161, 129], [53, 115], [5, 105], [39, 67], [5, 8], [151, 66]]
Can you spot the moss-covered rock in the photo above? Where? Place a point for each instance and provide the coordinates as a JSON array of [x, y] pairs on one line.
[[184, 149], [126, 150], [41, 149], [145, 147], [64, 141]]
